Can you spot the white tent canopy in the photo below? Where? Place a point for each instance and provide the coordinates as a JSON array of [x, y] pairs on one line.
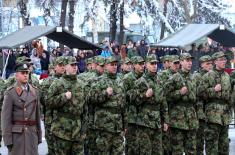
[[193, 32]]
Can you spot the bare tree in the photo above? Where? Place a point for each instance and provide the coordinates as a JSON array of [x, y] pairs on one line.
[[22, 4], [113, 20], [72, 4], [121, 12], [63, 13]]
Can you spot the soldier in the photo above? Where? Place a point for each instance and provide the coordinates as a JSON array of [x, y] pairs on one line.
[[128, 80], [66, 98], [90, 69], [108, 97], [48, 113], [183, 117], [166, 61], [206, 66], [126, 68], [152, 111], [91, 134], [217, 89], [21, 115], [164, 77]]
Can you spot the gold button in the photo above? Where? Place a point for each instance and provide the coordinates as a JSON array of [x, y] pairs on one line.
[[26, 128], [25, 109], [26, 119]]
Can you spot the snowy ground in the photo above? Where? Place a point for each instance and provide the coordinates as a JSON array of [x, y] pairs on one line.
[[43, 146]]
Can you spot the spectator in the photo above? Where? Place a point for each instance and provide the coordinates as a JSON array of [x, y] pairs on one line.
[[131, 49], [44, 62], [67, 52], [25, 52], [35, 60], [196, 55], [10, 64], [117, 55], [142, 49], [59, 51], [53, 55], [123, 51], [106, 52], [81, 61]]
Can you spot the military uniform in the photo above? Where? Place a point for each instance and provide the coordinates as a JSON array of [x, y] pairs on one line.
[[122, 73], [49, 113], [69, 125], [200, 106], [217, 109], [88, 73], [129, 81], [164, 77], [20, 120], [109, 114], [91, 132], [152, 112], [182, 114]]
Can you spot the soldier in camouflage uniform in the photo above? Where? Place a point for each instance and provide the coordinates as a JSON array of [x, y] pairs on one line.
[[48, 113], [108, 97], [217, 89], [166, 61], [164, 76], [152, 111], [90, 69], [66, 98], [90, 147], [128, 80], [182, 114], [126, 67], [206, 66]]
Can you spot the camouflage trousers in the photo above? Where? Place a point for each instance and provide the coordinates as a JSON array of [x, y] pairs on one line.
[[166, 142], [50, 140], [183, 141], [201, 137], [65, 147], [108, 143], [217, 142], [90, 146], [143, 141]]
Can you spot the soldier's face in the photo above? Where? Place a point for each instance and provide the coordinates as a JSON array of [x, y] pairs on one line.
[[220, 63], [100, 69], [111, 67], [175, 66], [71, 69], [139, 67], [60, 69], [126, 67], [207, 66], [186, 64], [22, 76], [152, 67], [93, 66], [166, 64]]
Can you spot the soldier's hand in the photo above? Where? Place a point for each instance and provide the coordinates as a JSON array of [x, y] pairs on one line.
[[68, 95], [149, 92], [183, 90], [218, 87], [109, 90], [165, 127]]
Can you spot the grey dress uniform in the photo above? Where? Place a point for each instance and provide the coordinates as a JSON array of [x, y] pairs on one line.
[[21, 120]]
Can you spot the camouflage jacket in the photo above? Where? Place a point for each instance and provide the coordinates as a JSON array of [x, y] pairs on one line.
[[71, 118], [182, 113], [129, 82], [218, 107], [200, 104], [109, 110], [150, 111], [89, 74], [45, 85]]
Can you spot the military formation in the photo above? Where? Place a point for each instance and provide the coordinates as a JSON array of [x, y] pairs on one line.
[[134, 111]]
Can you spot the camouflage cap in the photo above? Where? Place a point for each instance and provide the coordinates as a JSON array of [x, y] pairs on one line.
[[111, 59], [21, 67], [126, 61], [151, 58], [70, 60], [59, 60], [165, 58], [136, 59], [100, 60], [175, 58], [218, 55], [23, 59], [185, 56], [205, 58], [89, 60], [51, 66]]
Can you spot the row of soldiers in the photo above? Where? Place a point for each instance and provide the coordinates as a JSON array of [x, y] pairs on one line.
[[138, 111]]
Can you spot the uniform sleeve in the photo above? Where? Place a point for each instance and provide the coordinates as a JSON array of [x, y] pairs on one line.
[[171, 91], [98, 93], [6, 119], [56, 97], [164, 111]]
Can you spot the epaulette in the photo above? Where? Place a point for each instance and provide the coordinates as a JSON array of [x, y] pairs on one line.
[[9, 88]]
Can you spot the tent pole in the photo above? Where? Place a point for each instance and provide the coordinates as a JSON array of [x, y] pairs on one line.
[[5, 66]]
